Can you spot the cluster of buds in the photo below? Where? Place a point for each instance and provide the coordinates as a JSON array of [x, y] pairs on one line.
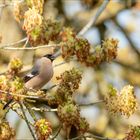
[[32, 19], [69, 83], [82, 125], [6, 132], [15, 66], [39, 30], [19, 10], [133, 134], [69, 114], [123, 103], [17, 87], [21, 7], [79, 47], [68, 111], [37, 4], [71, 78], [74, 45], [10, 82], [43, 129]]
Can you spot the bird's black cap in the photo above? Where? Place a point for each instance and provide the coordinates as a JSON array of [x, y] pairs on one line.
[[50, 56]]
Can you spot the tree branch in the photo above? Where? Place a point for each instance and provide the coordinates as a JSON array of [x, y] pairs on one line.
[[132, 45], [13, 44], [41, 109], [58, 131], [90, 104], [30, 48], [130, 67], [93, 19], [26, 120], [92, 136]]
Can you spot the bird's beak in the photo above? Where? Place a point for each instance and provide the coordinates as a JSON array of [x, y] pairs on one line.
[[52, 58]]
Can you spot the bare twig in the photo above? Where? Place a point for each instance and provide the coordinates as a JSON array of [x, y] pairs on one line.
[[99, 137], [47, 89], [44, 109], [126, 34], [77, 138], [31, 112], [13, 44], [58, 131], [27, 122], [129, 67], [31, 48], [26, 42], [92, 136], [90, 104], [56, 65], [23, 96], [93, 19]]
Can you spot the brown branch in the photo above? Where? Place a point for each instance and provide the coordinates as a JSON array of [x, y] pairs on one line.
[[13, 44], [130, 67], [57, 133], [27, 122], [93, 19], [90, 104], [30, 48], [126, 34], [44, 109], [23, 96], [99, 137], [30, 111], [56, 65], [92, 136]]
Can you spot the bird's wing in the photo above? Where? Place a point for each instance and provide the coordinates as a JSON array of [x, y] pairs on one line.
[[34, 72]]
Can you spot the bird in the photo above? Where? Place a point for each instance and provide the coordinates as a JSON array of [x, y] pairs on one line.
[[41, 73]]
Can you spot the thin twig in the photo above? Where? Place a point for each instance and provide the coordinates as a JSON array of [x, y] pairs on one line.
[[129, 67], [30, 48], [58, 53], [13, 44], [93, 19], [92, 136], [56, 65], [26, 120], [132, 45], [30, 111], [77, 138], [47, 89], [41, 109], [98, 137], [26, 43], [23, 96], [90, 104], [58, 131]]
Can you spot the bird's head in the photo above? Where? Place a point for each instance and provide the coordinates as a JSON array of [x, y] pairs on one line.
[[49, 56]]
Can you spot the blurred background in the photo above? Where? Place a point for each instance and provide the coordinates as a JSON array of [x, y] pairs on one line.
[[120, 20]]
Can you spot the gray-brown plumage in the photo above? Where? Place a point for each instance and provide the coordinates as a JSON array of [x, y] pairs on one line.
[[42, 73]]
